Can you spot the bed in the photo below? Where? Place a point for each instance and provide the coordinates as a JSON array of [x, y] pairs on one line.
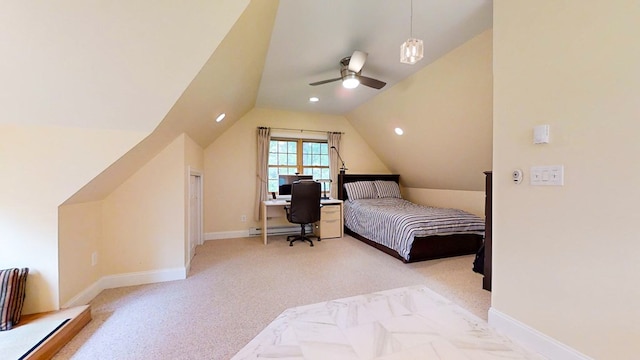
[[382, 219]]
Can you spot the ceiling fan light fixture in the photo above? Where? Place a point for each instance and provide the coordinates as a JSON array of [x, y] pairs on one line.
[[350, 81], [411, 51]]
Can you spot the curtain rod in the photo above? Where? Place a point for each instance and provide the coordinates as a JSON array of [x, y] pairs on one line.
[[301, 130]]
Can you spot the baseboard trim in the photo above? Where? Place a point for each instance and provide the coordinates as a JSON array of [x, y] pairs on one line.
[[532, 338], [226, 235], [121, 280]]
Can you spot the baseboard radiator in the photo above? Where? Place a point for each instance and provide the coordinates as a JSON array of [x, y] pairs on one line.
[[280, 230]]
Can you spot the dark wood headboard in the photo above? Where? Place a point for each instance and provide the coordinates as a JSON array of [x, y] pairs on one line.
[[347, 178]]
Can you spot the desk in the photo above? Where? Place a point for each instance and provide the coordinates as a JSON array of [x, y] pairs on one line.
[[275, 208]]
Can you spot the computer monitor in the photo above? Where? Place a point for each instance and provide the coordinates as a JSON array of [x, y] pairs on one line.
[[285, 181]]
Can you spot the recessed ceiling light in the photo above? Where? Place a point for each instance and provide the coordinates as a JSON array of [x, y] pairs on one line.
[[220, 117], [314, 99], [399, 131]]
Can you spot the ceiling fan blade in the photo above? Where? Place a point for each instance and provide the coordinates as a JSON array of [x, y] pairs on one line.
[[357, 61], [324, 81], [373, 83]]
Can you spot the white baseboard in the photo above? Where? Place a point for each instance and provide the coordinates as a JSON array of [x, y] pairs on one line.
[[226, 235], [85, 296], [121, 280], [532, 338]]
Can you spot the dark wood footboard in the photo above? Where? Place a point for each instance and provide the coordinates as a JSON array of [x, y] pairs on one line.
[[430, 247]]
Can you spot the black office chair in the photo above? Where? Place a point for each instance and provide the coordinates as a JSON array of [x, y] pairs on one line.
[[304, 208]]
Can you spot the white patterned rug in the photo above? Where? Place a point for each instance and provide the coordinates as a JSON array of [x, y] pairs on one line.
[[406, 323]]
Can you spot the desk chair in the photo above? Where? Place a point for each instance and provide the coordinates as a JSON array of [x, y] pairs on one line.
[[304, 208]]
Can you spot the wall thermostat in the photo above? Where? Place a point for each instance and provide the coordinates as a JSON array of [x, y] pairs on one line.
[[516, 175]]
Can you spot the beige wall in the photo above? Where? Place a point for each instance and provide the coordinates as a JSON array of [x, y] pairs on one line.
[[74, 66], [142, 227], [80, 235], [230, 163], [143, 219], [566, 258], [446, 112], [41, 167], [471, 201]]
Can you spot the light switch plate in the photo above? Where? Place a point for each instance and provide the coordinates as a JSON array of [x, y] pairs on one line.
[[552, 175]]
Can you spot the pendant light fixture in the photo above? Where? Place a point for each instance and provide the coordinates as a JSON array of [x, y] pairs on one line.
[[411, 50]]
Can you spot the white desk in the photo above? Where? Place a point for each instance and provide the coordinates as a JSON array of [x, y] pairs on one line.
[[275, 208]]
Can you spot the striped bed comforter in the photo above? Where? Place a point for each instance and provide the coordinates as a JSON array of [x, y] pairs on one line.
[[395, 222]]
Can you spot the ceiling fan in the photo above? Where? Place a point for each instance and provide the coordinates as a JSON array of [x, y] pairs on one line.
[[350, 73]]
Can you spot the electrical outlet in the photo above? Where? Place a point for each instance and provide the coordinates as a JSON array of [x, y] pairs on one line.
[[243, 218], [94, 258]]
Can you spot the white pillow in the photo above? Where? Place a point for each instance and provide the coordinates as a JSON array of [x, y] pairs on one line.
[[387, 189], [360, 190]]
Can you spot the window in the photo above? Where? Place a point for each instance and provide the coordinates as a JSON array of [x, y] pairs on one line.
[[303, 156]]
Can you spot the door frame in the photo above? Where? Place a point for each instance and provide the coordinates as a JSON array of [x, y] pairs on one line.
[[199, 213]]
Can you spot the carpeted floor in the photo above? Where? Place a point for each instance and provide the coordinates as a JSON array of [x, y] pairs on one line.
[[236, 287]]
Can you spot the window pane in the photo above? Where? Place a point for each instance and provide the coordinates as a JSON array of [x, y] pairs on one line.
[[306, 160], [324, 160], [273, 173], [325, 174], [282, 159], [324, 148], [305, 148], [273, 186], [291, 147], [316, 148], [282, 146], [292, 159], [273, 146], [316, 160]]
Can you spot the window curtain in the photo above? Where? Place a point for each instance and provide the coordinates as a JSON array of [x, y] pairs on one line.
[[262, 164], [333, 139]]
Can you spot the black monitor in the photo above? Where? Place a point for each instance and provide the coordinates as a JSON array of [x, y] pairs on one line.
[[285, 181]]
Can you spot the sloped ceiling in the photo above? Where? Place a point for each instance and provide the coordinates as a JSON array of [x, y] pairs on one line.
[[228, 82], [446, 113]]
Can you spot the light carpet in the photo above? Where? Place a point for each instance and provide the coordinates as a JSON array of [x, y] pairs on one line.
[[405, 323], [236, 287]]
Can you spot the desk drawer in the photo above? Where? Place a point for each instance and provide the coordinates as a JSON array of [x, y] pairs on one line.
[[330, 212], [329, 228]]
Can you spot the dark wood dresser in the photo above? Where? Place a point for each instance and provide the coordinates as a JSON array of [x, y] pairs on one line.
[[486, 281]]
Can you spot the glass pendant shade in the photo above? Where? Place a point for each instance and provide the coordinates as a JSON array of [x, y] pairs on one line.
[[411, 51]]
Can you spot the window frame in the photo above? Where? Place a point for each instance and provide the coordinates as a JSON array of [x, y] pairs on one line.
[[299, 156]]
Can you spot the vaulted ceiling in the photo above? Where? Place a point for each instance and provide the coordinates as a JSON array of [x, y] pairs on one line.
[[275, 48]]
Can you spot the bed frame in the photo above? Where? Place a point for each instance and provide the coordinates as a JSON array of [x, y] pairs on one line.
[[423, 248]]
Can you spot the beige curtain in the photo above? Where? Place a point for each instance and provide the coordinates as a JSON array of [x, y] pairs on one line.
[[262, 164], [333, 139]]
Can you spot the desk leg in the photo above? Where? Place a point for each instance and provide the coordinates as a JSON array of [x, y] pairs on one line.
[[264, 223]]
